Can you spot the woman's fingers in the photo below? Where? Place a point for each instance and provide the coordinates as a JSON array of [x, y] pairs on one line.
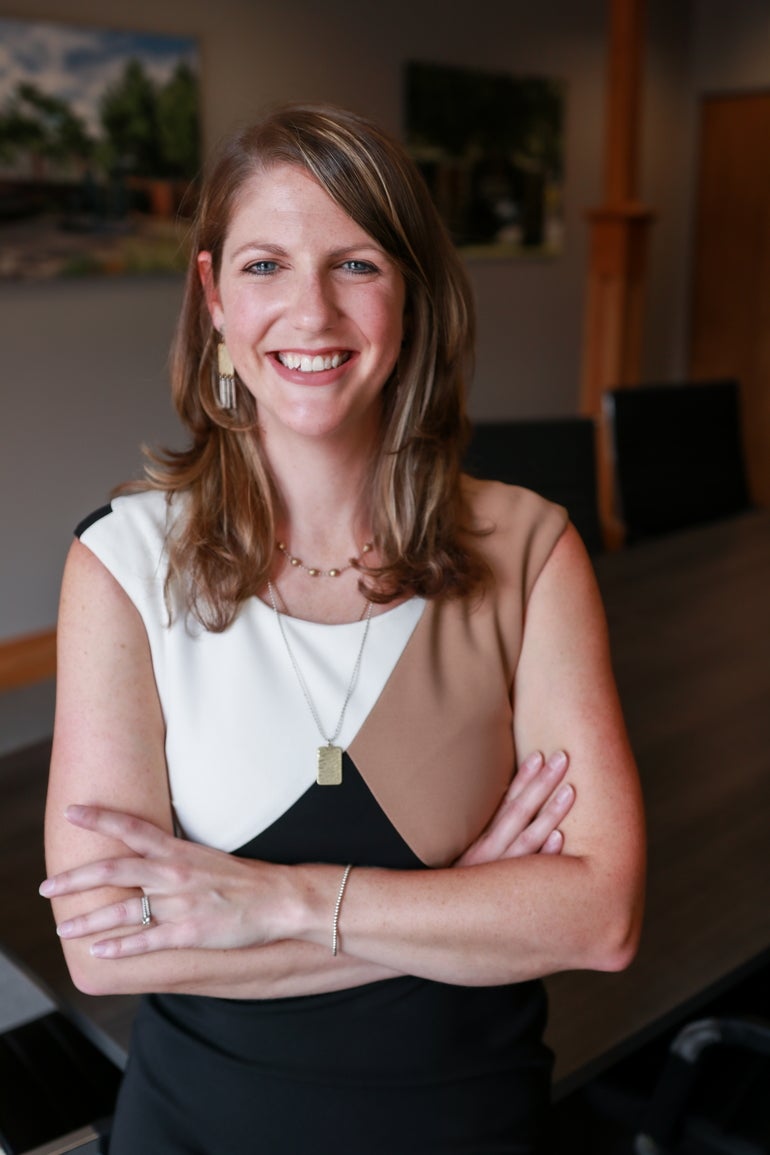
[[525, 774], [531, 810], [554, 843], [148, 843], [133, 944], [542, 834], [132, 873], [536, 779], [141, 939], [117, 914], [140, 836], [175, 927]]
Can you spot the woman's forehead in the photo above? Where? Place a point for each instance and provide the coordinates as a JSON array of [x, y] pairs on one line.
[[287, 200]]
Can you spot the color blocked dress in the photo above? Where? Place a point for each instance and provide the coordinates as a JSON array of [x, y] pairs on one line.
[[403, 1066]]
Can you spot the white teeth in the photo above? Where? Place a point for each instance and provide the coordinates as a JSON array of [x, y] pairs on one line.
[[307, 364]]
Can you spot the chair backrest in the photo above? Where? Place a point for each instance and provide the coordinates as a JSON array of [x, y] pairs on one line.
[[679, 458], [725, 1105], [554, 456]]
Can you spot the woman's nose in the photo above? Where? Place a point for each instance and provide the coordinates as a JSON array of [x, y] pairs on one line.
[[313, 306]]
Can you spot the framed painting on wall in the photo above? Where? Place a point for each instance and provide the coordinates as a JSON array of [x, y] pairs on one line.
[[99, 149], [490, 147]]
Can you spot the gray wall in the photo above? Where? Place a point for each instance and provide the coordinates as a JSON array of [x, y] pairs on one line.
[[83, 383], [82, 375]]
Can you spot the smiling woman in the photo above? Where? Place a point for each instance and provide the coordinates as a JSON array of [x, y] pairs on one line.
[[288, 801], [312, 308]]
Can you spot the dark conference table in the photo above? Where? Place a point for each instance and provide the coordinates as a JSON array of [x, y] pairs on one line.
[[689, 620]]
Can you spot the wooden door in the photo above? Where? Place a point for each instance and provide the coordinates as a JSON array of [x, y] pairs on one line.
[[730, 302]]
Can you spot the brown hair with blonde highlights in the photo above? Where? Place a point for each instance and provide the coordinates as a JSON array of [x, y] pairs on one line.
[[222, 549]]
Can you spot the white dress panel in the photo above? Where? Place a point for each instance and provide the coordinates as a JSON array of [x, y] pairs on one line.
[[240, 738]]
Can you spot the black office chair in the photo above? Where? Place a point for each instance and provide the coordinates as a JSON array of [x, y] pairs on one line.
[[554, 456], [723, 1110], [704, 1092], [699, 1086], [679, 458]]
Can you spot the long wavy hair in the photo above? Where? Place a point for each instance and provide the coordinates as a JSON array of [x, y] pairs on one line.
[[222, 548]]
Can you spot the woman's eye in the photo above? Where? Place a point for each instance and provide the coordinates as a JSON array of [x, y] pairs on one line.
[[353, 266], [262, 268]]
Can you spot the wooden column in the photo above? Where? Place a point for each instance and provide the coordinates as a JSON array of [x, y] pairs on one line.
[[618, 246]]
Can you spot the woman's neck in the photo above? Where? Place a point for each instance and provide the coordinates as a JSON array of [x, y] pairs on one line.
[[323, 491], [324, 523]]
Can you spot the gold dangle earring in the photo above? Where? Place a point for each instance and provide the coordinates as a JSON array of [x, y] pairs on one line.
[[225, 385]]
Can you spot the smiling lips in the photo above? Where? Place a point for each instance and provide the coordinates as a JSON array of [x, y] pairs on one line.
[[308, 363]]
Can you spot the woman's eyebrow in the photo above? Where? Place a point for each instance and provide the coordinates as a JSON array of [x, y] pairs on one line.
[[263, 246], [334, 254]]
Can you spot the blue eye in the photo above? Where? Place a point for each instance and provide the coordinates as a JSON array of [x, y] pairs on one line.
[[359, 267], [262, 268]]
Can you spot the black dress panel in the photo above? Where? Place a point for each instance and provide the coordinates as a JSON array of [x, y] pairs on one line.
[[334, 824], [405, 1066]]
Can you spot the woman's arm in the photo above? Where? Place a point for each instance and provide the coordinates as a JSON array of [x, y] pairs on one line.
[[535, 915], [108, 750], [109, 753], [496, 922], [513, 920]]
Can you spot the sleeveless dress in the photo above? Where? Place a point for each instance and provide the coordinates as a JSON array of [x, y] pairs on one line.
[[404, 1066]]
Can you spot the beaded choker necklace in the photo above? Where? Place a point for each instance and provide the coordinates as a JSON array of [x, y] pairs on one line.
[[316, 571]]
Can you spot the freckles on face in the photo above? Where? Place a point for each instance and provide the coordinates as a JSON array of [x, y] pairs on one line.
[[311, 306]]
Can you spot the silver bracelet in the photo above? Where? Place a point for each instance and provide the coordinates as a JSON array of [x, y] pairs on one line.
[[337, 905]]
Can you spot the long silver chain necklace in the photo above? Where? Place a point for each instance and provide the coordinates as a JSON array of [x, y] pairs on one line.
[[329, 757]]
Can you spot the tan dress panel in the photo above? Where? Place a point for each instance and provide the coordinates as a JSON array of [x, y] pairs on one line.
[[437, 751]]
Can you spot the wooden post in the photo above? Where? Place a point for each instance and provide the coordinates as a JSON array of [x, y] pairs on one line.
[[617, 253]]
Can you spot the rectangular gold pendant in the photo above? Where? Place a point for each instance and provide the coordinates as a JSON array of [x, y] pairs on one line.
[[329, 766]]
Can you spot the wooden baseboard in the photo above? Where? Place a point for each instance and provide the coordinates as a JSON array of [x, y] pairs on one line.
[[28, 659]]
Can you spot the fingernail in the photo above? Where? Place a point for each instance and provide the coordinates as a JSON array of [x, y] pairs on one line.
[[63, 929], [533, 760], [558, 760], [564, 793], [99, 949], [46, 888]]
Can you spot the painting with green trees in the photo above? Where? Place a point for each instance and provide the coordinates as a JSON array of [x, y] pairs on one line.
[[490, 147], [99, 149]]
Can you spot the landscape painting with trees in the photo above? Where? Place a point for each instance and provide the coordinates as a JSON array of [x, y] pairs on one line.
[[99, 149]]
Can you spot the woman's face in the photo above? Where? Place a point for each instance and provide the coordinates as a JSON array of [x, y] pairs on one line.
[[311, 308]]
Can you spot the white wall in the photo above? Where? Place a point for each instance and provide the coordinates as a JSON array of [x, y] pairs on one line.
[[82, 373]]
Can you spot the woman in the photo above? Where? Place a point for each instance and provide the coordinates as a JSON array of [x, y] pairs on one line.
[[299, 647]]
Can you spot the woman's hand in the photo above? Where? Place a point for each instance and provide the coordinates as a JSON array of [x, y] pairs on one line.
[[527, 820], [199, 897]]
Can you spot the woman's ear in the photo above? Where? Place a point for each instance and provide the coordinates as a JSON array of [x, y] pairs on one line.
[[210, 291]]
